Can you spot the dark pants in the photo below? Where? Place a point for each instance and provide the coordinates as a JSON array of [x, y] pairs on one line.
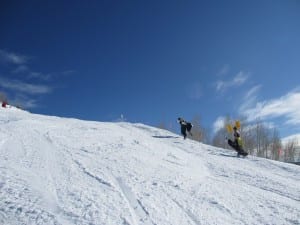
[[183, 131], [189, 127], [236, 147]]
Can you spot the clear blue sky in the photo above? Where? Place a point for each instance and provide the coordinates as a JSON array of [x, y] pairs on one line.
[[153, 61]]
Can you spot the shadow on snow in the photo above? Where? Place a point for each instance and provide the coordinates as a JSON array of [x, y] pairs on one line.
[[158, 136]]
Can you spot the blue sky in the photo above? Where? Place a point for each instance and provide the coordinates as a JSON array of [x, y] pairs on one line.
[[152, 61]]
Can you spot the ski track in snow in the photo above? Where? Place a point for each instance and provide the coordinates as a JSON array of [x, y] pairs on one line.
[[139, 214], [66, 171]]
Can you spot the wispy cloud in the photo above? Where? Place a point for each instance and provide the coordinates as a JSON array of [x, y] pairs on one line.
[[20, 65], [49, 76], [253, 92], [224, 70], [24, 101], [68, 72], [22, 82], [238, 80], [218, 124], [287, 106], [20, 69], [40, 76], [195, 91], [14, 58], [20, 86], [250, 98]]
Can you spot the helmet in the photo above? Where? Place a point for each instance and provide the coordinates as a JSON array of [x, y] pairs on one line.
[[179, 120]]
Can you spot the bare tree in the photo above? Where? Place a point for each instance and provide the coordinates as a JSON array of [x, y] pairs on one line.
[[196, 130], [262, 139], [162, 125], [199, 132], [290, 150], [249, 139], [276, 145], [3, 97], [219, 138], [121, 119]]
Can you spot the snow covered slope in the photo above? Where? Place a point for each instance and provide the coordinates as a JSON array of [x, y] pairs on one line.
[[66, 171]]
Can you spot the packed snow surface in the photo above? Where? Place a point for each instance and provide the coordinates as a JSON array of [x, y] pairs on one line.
[[67, 171]]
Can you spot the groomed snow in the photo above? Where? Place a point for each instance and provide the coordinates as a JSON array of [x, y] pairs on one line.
[[66, 171]]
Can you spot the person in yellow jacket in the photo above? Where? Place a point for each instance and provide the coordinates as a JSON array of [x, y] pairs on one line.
[[237, 144]]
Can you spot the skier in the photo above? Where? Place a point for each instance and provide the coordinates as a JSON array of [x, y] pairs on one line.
[[237, 144], [185, 126]]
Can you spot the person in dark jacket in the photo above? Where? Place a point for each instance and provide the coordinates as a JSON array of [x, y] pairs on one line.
[[185, 127], [4, 104], [237, 144]]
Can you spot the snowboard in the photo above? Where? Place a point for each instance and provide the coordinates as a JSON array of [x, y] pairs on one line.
[[238, 149]]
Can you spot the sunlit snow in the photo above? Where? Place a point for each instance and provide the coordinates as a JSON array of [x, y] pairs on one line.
[[67, 171]]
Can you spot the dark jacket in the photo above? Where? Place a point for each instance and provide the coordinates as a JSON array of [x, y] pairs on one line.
[[185, 126]]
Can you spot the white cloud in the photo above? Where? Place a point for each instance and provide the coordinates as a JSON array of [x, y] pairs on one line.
[[10, 57], [238, 80], [218, 124], [253, 92], [287, 106], [23, 87]]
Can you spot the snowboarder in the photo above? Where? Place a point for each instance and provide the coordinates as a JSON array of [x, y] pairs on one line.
[[237, 144], [185, 127]]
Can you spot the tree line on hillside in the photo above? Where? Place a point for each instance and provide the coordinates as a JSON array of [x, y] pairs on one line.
[[258, 139], [4, 98]]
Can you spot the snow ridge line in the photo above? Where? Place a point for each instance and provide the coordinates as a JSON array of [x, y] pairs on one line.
[[100, 180]]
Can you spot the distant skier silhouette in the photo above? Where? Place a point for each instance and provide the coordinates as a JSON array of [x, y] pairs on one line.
[[185, 127]]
